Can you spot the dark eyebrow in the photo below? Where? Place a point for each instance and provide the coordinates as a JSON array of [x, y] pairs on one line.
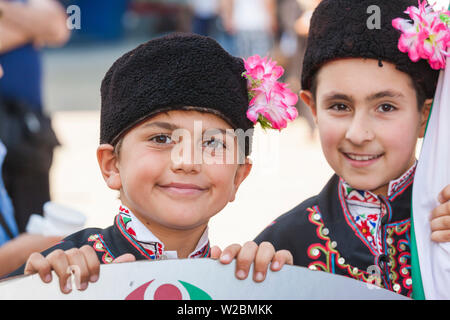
[[385, 94], [173, 127], [338, 96], [223, 131], [374, 96], [160, 124]]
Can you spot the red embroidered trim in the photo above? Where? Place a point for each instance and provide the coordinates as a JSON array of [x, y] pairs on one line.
[[99, 246]]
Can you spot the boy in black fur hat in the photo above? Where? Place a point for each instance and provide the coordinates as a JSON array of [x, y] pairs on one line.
[[371, 104], [171, 110]]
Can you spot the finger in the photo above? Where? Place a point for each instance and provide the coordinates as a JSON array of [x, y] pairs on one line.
[[440, 223], [215, 252], [127, 257], [441, 210], [440, 236], [264, 256], [444, 195], [92, 262], [37, 263], [245, 258], [60, 264], [229, 253], [281, 258], [78, 268]]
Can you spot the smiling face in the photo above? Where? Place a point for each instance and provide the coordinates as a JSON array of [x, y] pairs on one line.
[[157, 180], [368, 121]]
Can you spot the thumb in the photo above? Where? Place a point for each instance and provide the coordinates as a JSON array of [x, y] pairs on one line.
[[127, 257]]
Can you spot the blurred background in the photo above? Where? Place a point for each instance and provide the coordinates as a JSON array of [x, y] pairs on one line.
[[288, 166]]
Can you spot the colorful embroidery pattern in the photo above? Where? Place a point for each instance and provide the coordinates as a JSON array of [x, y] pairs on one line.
[[332, 259], [153, 250], [205, 252], [366, 214], [100, 246], [399, 257]]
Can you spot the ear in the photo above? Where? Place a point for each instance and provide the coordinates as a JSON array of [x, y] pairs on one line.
[[308, 99], [424, 114], [241, 174], [108, 162]]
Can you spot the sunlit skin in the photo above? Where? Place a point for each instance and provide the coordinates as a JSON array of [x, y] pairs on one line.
[[368, 121], [174, 199], [174, 196]]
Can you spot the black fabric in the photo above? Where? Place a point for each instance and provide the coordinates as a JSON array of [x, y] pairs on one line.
[[28, 188], [111, 237], [339, 29], [30, 141], [294, 231], [168, 73]]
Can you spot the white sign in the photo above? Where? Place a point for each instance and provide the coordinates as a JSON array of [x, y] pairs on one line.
[[197, 279]]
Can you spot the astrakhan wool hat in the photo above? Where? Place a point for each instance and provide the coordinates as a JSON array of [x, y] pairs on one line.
[[344, 29], [179, 71]]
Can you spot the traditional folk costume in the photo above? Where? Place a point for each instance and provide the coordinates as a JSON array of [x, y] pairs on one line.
[[180, 71], [175, 72], [126, 235], [355, 232], [351, 232]]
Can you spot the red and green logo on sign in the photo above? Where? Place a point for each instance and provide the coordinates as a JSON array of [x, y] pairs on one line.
[[175, 290]]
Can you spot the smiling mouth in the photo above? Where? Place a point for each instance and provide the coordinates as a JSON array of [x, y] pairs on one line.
[[183, 189], [362, 157]]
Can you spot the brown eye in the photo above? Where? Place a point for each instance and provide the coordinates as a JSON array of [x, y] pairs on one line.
[[214, 144], [161, 139], [386, 108], [339, 107]]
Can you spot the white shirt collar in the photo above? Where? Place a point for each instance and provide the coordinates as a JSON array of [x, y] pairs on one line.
[[144, 236]]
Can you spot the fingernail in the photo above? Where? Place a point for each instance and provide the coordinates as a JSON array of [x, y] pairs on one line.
[[241, 274], [83, 286], [440, 198], [68, 286], [48, 278], [275, 265], [259, 276], [225, 258], [93, 278]]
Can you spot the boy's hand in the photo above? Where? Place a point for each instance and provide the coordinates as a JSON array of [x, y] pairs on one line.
[[440, 218], [261, 255], [83, 262]]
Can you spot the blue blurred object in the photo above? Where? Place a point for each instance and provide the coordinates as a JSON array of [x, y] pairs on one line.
[[8, 227], [100, 19]]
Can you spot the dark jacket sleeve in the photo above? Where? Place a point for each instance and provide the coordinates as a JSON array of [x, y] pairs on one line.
[[76, 240], [291, 231]]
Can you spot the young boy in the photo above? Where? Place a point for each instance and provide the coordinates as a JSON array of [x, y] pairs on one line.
[[371, 104], [164, 104]]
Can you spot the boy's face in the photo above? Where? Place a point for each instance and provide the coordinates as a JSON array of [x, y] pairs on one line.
[[368, 121], [157, 180]]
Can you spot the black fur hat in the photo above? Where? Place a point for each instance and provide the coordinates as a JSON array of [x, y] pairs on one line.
[[340, 29], [176, 72]]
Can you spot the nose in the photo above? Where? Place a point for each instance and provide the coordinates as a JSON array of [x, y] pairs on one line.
[[185, 157], [359, 130]]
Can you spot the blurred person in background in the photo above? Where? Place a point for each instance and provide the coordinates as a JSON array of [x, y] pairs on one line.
[[296, 15], [25, 28], [253, 23], [15, 248], [204, 16], [292, 49]]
